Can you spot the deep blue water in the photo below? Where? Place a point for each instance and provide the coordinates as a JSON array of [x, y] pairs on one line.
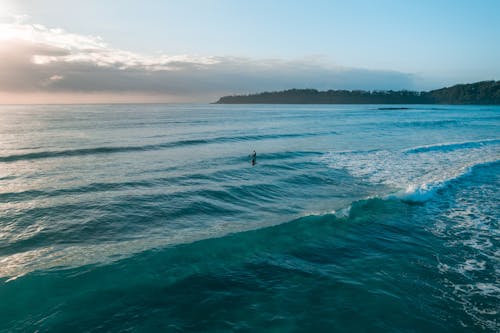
[[151, 218]]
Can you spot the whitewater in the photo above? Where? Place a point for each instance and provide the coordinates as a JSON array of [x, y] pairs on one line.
[[152, 218]]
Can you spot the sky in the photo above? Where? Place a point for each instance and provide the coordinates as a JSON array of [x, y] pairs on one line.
[[59, 51]]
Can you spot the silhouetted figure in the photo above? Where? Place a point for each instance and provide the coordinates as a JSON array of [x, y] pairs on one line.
[[254, 158]]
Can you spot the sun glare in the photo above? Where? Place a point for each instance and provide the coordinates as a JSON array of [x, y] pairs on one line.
[[6, 8], [6, 32], [8, 19]]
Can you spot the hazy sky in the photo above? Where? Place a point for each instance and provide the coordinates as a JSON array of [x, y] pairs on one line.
[[152, 50]]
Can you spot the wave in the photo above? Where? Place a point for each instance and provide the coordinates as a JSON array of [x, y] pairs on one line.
[[47, 257], [90, 188], [416, 173], [159, 146], [426, 191], [452, 146], [233, 171], [95, 151], [394, 108], [427, 123], [420, 107], [57, 256]]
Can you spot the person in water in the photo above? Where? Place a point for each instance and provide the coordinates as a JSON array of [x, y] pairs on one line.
[[254, 157]]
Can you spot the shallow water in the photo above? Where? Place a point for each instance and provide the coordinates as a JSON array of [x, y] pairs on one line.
[[151, 218]]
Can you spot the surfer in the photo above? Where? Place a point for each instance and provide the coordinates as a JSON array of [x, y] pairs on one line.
[[254, 157]]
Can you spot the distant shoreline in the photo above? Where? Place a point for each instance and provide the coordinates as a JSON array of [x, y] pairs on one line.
[[479, 93]]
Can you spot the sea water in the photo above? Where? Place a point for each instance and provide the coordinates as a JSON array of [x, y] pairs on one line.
[[355, 218]]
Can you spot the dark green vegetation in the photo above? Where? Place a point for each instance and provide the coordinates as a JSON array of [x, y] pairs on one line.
[[485, 92]]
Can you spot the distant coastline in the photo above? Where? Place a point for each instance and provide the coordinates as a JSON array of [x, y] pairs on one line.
[[479, 93]]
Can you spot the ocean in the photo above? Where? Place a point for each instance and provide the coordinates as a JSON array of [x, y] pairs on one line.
[[152, 218]]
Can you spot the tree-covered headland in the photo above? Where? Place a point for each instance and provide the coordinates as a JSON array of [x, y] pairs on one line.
[[483, 93]]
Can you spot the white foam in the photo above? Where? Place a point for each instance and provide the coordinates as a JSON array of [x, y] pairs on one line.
[[418, 193], [419, 175], [471, 265]]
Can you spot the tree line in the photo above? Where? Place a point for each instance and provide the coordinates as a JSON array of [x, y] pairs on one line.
[[485, 92]]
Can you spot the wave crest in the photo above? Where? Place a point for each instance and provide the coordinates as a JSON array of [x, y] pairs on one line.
[[452, 146], [416, 174]]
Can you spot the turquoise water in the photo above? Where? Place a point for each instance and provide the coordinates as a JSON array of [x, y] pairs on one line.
[[150, 218]]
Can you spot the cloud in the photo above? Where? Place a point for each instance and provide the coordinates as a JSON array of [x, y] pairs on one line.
[[38, 59]]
